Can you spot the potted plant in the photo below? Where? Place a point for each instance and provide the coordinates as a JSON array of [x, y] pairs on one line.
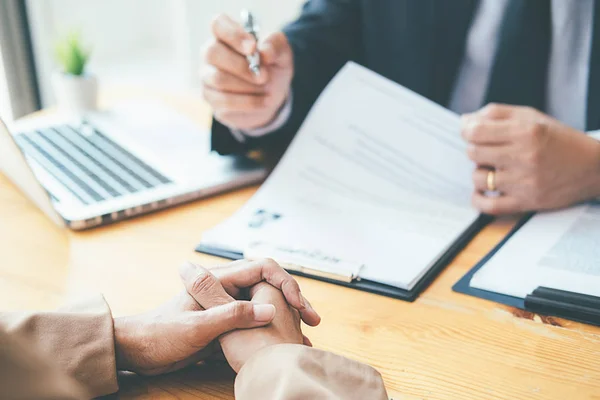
[[76, 91]]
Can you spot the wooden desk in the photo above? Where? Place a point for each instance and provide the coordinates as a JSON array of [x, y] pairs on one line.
[[443, 346]]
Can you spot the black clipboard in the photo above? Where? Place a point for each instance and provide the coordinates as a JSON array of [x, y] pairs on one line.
[[464, 284], [380, 288], [569, 306]]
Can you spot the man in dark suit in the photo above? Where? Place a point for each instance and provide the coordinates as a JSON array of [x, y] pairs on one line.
[[525, 75]]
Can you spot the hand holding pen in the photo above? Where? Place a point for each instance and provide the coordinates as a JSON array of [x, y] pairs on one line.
[[245, 80], [252, 28]]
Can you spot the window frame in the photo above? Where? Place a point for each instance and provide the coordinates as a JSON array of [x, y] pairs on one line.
[[18, 72]]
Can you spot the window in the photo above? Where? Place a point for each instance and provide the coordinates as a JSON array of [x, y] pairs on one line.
[[18, 88], [148, 43], [5, 109]]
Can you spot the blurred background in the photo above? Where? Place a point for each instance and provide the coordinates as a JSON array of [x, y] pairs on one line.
[[136, 43]]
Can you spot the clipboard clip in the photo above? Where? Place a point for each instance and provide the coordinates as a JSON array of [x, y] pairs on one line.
[[308, 262], [574, 306]]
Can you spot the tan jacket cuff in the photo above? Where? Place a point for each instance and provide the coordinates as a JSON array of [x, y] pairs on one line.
[[78, 340], [296, 372]]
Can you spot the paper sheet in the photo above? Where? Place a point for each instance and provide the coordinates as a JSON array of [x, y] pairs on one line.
[[559, 250], [377, 174]]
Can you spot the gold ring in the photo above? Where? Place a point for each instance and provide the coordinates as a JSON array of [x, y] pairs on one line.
[[491, 181]]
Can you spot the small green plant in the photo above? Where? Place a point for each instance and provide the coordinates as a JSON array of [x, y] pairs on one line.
[[71, 54]]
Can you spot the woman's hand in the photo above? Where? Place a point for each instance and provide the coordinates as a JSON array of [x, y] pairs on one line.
[[239, 346]]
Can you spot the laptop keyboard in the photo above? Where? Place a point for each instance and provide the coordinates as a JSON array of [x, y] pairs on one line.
[[89, 164]]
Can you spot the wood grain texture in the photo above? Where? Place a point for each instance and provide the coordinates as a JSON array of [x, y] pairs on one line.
[[443, 346]]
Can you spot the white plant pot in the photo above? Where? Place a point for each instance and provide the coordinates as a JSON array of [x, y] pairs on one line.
[[75, 94]]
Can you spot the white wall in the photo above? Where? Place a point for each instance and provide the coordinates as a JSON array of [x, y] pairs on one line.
[[145, 42]]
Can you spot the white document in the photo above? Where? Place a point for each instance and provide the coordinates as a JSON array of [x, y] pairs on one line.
[[377, 175], [559, 250]]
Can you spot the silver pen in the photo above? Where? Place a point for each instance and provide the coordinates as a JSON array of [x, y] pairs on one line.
[[252, 28]]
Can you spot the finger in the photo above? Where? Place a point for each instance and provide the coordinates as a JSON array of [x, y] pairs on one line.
[[480, 179], [306, 341], [232, 102], [495, 111], [309, 315], [224, 58], [203, 286], [242, 274], [230, 32], [275, 49], [224, 81], [231, 316], [186, 302], [490, 156], [496, 205], [487, 132], [245, 274], [264, 290]]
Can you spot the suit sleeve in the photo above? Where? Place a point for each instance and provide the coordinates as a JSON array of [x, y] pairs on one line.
[[64, 354], [286, 372], [325, 37]]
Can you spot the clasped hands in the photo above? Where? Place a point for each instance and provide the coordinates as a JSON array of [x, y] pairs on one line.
[[235, 311], [539, 163]]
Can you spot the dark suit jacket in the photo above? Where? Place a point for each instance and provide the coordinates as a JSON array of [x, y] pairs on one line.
[[417, 43]]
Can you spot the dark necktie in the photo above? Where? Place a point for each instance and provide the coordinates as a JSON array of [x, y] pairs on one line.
[[520, 71]]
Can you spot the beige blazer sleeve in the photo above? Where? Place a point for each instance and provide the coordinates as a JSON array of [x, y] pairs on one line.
[[286, 372], [67, 354]]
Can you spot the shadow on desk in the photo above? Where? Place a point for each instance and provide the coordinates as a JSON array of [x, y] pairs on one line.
[[212, 381]]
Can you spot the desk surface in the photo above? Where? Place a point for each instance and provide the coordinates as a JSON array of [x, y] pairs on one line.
[[443, 346]]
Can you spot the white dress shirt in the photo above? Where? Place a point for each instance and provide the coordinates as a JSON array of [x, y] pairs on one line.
[[568, 73], [572, 22]]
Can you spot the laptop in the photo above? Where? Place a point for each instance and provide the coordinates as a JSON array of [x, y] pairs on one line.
[[113, 165]]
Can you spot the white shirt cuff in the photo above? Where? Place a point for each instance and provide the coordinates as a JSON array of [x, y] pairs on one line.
[[595, 134], [282, 117]]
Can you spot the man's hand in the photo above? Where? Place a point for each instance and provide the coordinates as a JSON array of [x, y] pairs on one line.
[[239, 98], [238, 346], [540, 163], [183, 332], [180, 333]]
